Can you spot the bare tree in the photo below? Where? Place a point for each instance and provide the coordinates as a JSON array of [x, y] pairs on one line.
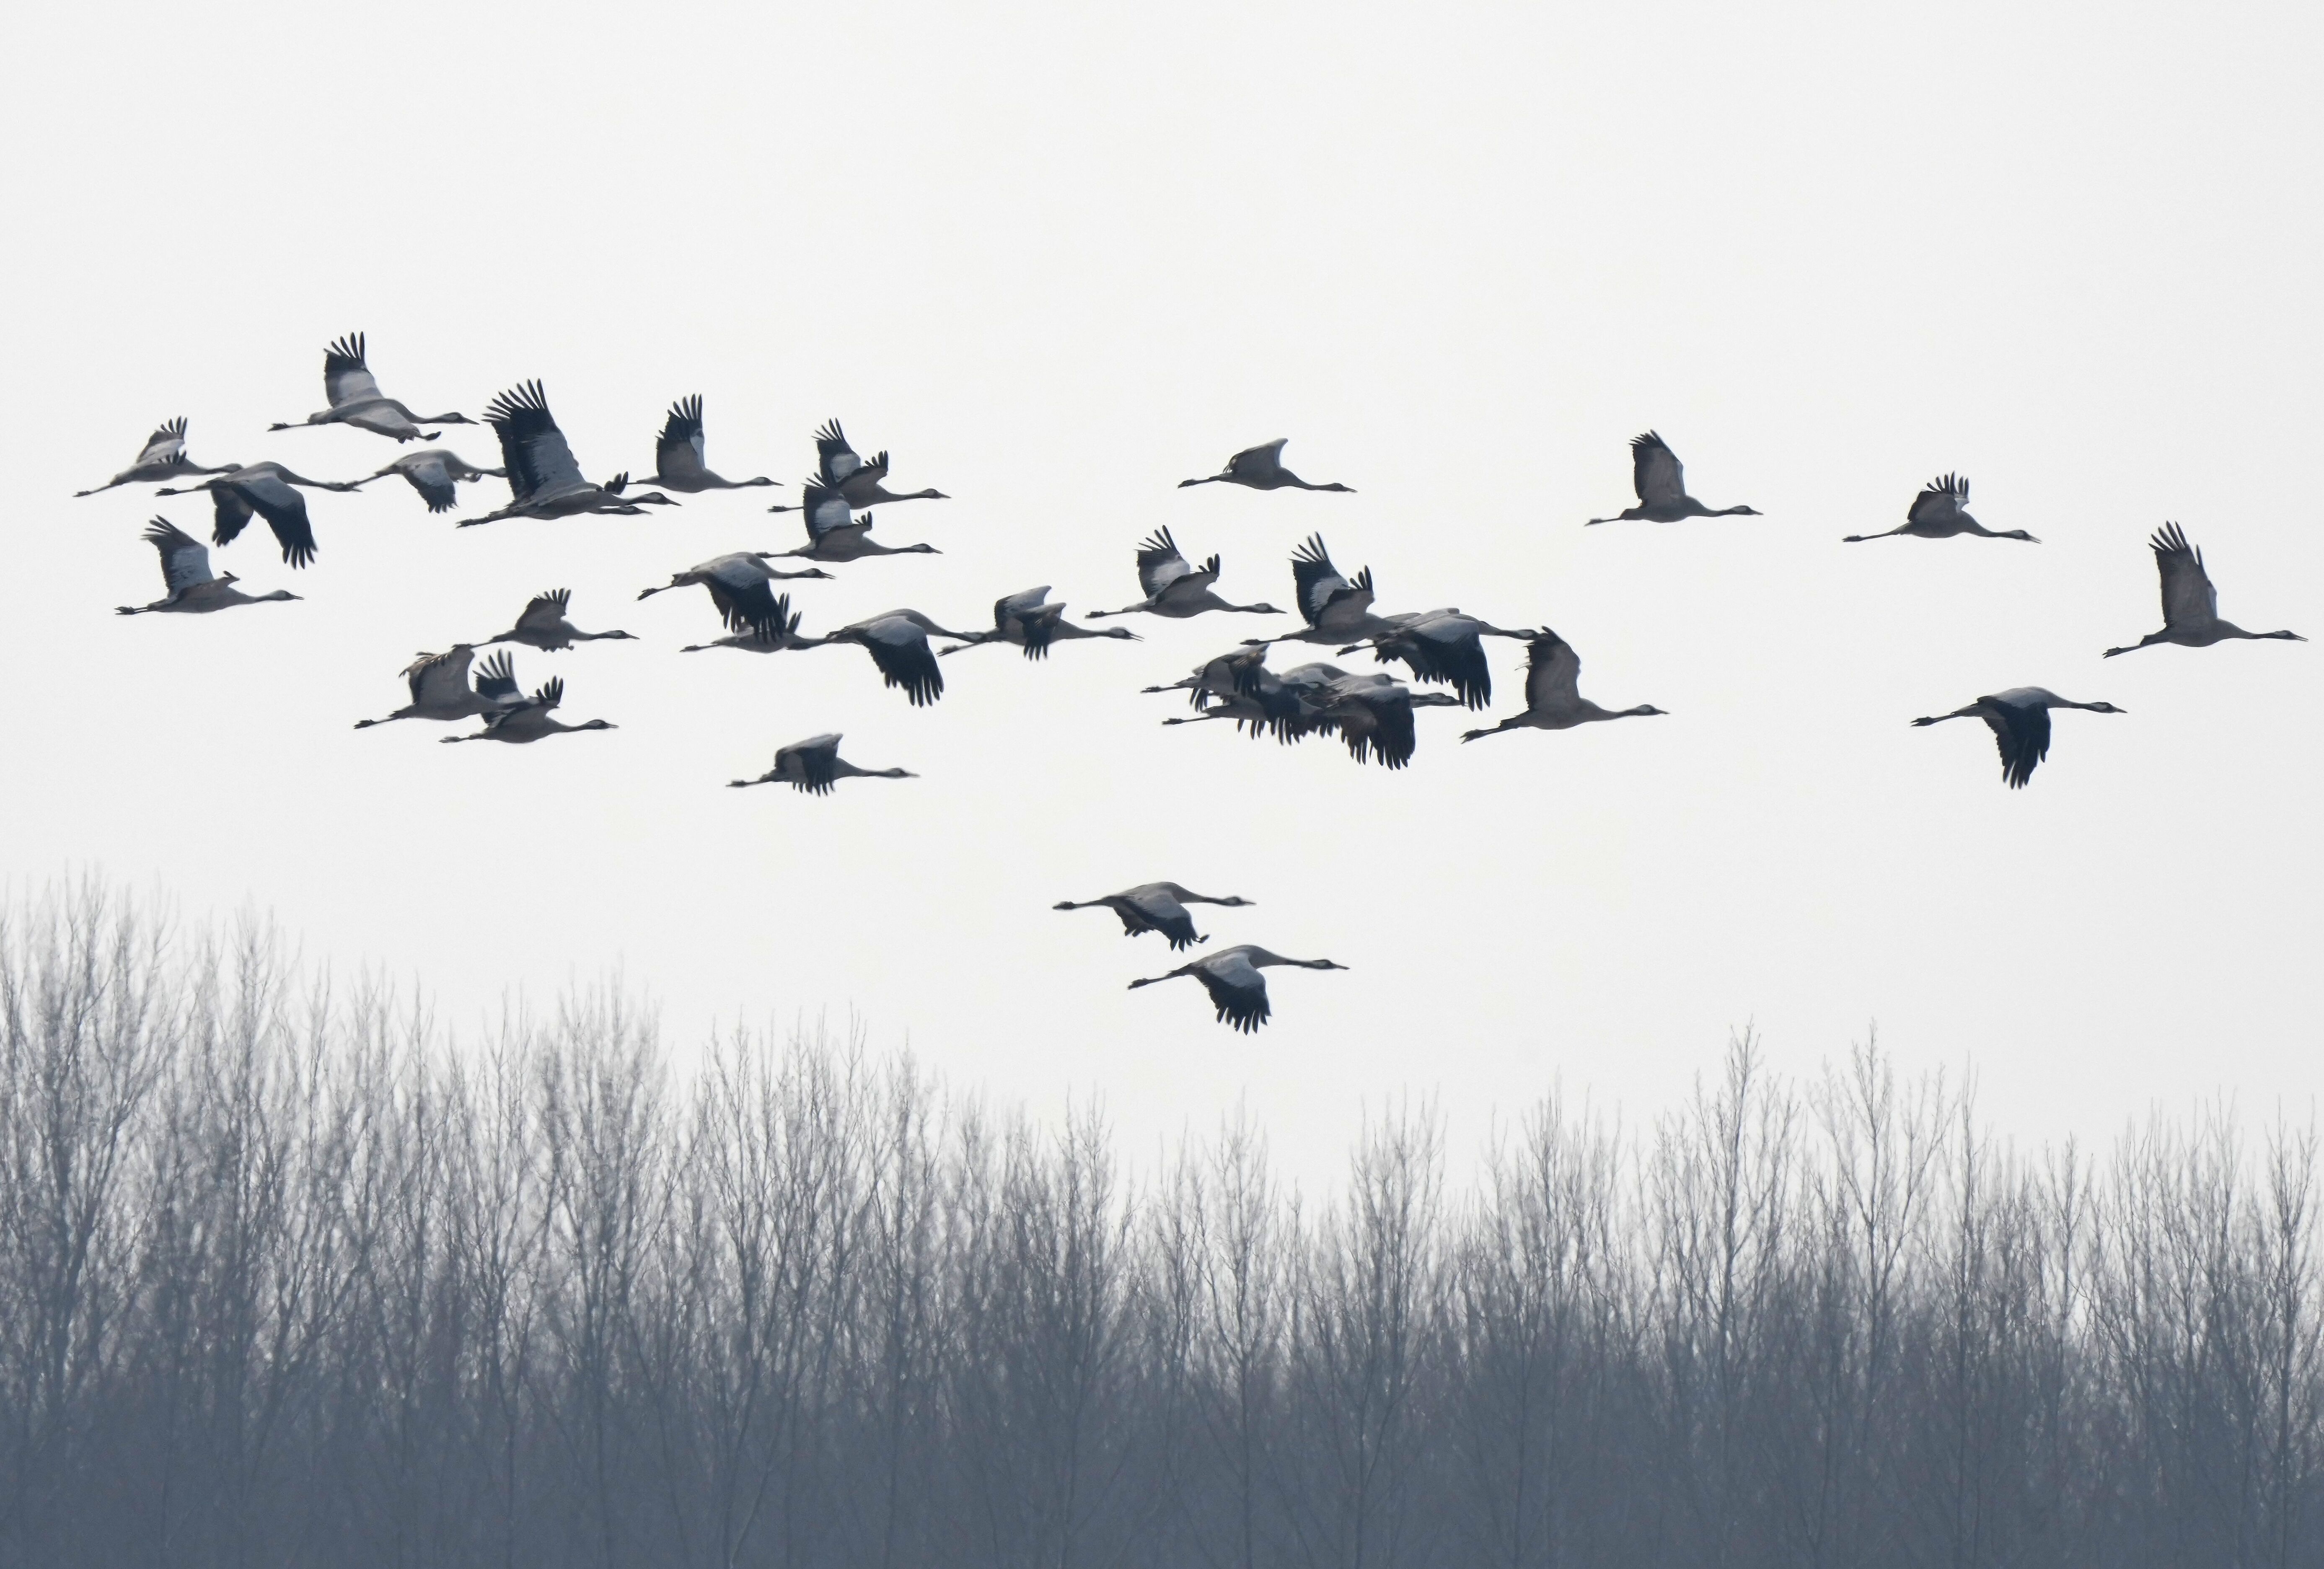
[[291, 1274]]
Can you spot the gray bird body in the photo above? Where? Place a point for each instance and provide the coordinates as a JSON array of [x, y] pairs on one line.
[[1373, 715], [1031, 621], [738, 585], [534, 719], [833, 531], [1231, 977], [436, 473], [780, 632], [1444, 646], [814, 765], [266, 490], [1337, 609], [1660, 481], [1553, 701], [679, 455], [193, 588], [1940, 512], [355, 398], [853, 478], [542, 626], [440, 689], [1261, 468], [2191, 605], [1175, 587], [2019, 719], [164, 457], [543, 477], [1155, 907], [898, 643]]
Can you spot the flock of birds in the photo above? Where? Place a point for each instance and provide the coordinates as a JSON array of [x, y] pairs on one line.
[[1371, 712]]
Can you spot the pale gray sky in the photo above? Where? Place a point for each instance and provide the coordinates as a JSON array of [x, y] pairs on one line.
[[1058, 258]]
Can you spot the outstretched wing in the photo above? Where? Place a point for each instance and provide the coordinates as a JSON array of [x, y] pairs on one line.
[[1041, 628], [1940, 502], [823, 510], [347, 379], [1017, 606], [1316, 579], [1264, 461], [677, 450], [1238, 990], [2188, 597], [1655, 472], [440, 680], [900, 649], [497, 682], [284, 510], [1448, 650], [167, 445], [1159, 564], [1553, 674], [544, 611], [427, 474], [834, 459], [1374, 720], [2021, 732], [738, 588], [185, 561], [230, 512], [817, 757], [533, 448]]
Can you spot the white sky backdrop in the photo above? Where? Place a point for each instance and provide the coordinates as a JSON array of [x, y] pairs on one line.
[[1060, 257]]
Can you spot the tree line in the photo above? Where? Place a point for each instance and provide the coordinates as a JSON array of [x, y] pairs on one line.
[[287, 1278]]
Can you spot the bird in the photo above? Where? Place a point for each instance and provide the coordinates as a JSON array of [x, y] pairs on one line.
[[834, 534], [1445, 645], [1231, 976], [356, 399], [1272, 707], [440, 686], [782, 633], [544, 480], [898, 643], [1156, 907], [1939, 513], [814, 765], [194, 588], [266, 490], [2019, 719], [1373, 713], [542, 626], [435, 472], [1175, 588], [1032, 622], [162, 457], [2191, 605], [840, 467], [737, 582], [677, 454], [1221, 675], [1337, 610], [1660, 480], [1261, 468], [1237, 686], [1553, 701], [530, 720]]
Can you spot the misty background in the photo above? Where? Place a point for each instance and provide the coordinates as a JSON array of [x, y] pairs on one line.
[[1058, 261]]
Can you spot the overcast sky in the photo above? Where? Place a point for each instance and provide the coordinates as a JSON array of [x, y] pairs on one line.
[[1057, 258]]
